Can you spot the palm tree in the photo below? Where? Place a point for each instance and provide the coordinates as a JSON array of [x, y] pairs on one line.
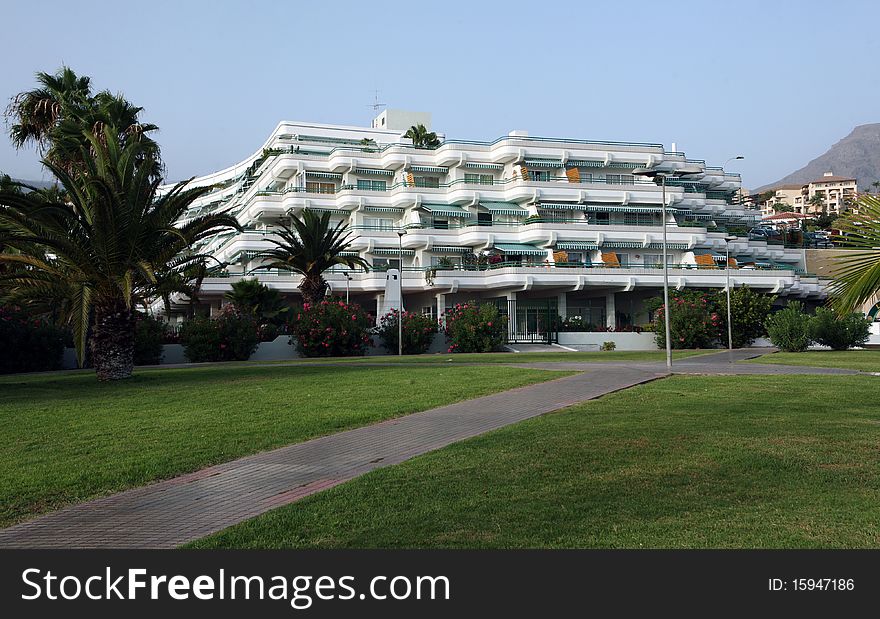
[[421, 137], [857, 275], [104, 248], [818, 203], [310, 247], [54, 116]]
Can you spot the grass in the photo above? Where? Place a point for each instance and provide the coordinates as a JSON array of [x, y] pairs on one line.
[[864, 360], [66, 438], [525, 357], [684, 462]]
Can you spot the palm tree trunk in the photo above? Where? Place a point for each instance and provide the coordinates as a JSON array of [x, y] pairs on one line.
[[313, 289], [112, 342]]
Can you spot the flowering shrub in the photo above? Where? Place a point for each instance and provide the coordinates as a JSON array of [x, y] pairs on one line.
[[473, 327], [232, 336], [331, 328], [29, 344], [418, 332], [695, 321]]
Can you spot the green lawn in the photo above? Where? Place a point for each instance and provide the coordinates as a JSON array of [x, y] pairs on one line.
[[524, 357], [864, 360], [684, 462], [67, 438]]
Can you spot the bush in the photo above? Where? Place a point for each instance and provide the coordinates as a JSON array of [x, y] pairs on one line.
[[149, 334], [749, 312], [232, 336], [828, 329], [29, 344], [608, 346], [789, 329], [694, 321], [332, 328], [473, 327], [266, 304], [418, 332]]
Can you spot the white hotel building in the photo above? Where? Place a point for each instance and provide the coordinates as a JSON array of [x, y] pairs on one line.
[[568, 225]]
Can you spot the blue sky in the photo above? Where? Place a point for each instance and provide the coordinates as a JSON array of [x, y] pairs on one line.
[[776, 81]]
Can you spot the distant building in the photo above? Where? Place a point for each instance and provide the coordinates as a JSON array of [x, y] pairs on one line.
[[837, 193]]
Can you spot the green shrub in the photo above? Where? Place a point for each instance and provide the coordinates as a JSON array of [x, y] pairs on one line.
[[29, 344], [828, 329], [232, 336], [608, 346], [149, 334], [749, 312], [332, 328], [473, 327], [266, 304], [694, 322], [789, 329], [418, 332]]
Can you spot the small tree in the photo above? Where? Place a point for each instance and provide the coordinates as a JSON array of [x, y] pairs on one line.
[[789, 329], [421, 137], [264, 303], [694, 322]]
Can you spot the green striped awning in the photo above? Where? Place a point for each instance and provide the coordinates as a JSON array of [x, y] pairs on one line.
[[475, 165], [697, 215], [451, 249], [504, 208], [332, 211], [576, 245], [429, 168], [620, 208], [383, 209], [447, 210], [520, 249], [349, 254], [543, 163], [374, 171], [624, 164], [640, 245], [330, 175], [561, 206], [668, 246], [584, 163], [391, 251]]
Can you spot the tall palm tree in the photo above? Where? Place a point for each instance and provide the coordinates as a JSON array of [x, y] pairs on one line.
[[857, 273], [105, 247], [54, 116], [421, 137], [309, 247]]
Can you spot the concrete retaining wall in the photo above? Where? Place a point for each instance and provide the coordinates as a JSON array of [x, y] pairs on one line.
[[585, 340]]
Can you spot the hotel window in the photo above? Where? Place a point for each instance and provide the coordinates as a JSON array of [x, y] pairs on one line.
[[427, 181], [484, 219], [574, 257], [479, 179], [455, 260], [378, 223], [440, 224], [386, 263], [315, 187], [619, 179], [430, 310], [585, 176], [368, 185]]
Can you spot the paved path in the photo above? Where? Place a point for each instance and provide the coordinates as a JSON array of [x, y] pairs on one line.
[[169, 513]]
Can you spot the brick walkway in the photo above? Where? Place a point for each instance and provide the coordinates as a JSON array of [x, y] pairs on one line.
[[169, 513]]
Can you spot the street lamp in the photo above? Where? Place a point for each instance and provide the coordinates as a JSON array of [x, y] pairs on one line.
[[660, 177], [727, 240], [400, 234], [347, 286], [733, 159]]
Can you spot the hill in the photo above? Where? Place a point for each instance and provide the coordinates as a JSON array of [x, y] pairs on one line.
[[855, 156]]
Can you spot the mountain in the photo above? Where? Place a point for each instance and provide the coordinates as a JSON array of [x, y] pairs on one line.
[[855, 156], [38, 184]]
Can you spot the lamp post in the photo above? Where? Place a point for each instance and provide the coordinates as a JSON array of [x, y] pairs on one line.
[[347, 286], [727, 240], [660, 177], [400, 234]]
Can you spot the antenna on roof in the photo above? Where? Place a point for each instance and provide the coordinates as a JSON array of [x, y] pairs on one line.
[[375, 104]]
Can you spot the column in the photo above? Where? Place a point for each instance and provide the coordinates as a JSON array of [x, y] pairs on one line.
[[562, 304], [511, 314], [441, 307], [610, 311]]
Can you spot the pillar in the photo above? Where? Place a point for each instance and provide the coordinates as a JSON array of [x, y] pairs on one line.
[[610, 311], [441, 307], [562, 304], [511, 315]]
